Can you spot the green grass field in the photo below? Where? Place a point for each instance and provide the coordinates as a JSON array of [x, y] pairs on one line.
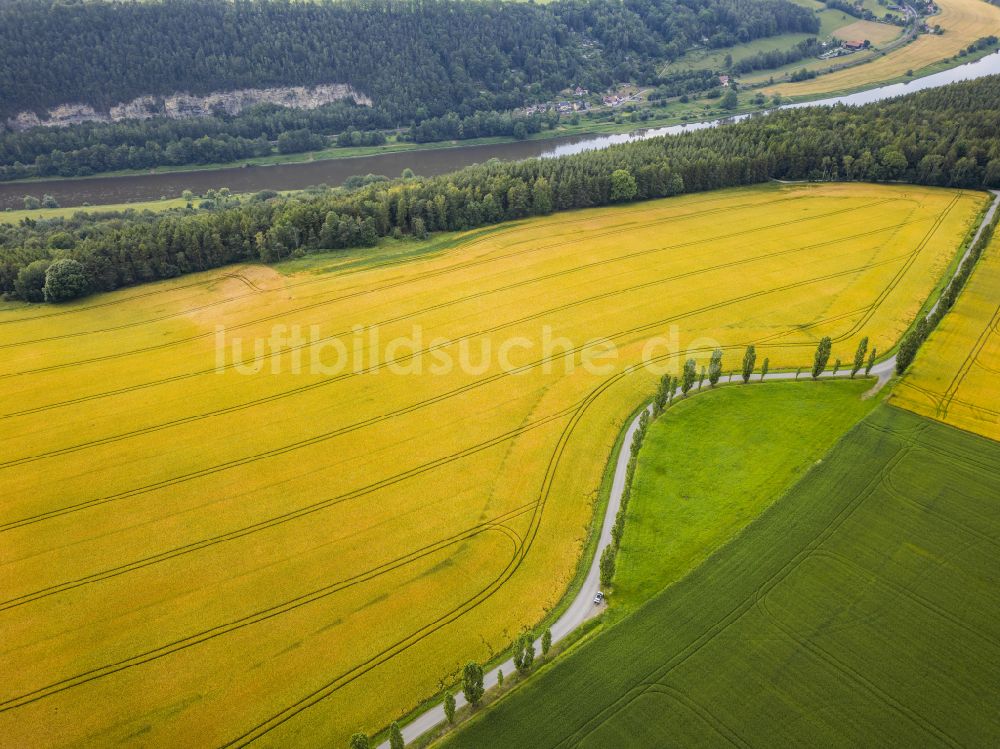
[[860, 610], [14, 217], [706, 59], [694, 494]]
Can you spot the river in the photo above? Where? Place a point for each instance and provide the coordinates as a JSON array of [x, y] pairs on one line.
[[98, 190]]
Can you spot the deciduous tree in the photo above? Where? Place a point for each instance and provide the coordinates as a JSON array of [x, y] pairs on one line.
[[859, 356], [871, 360], [396, 737], [623, 185], [472, 683], [524, 653], [65, 279], [715, 367], [688, 376], [749, 360], [822, 356]]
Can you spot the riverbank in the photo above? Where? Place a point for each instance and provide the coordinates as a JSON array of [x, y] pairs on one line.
[[435, 159]]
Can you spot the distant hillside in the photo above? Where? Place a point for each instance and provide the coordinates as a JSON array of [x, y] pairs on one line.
[[413, 58]]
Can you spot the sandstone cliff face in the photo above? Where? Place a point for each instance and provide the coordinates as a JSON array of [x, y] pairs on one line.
[[182, 105]]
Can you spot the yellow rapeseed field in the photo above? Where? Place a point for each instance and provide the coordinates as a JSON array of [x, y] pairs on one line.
[[205, 547], [963, 21], [955, 377]]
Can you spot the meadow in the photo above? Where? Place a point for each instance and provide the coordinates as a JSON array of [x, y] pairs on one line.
[[251, 505], [703, 59], [955, 377], [859, 610], [38, 214], [693, 493], [963, 21]]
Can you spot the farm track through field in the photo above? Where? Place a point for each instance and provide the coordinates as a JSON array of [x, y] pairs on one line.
[[173, 481], [410, 279], [586, 300], [238, 533], [347, 672], [309, 509]]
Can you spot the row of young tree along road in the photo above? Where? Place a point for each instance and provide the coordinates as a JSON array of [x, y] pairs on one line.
[[669, 389]]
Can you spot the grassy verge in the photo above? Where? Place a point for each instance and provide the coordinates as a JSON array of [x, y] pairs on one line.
[[571, 641], [829, 409], [694, 492]]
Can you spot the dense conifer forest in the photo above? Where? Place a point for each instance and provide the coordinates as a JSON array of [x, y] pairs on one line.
[[945, 136], [416, 60]]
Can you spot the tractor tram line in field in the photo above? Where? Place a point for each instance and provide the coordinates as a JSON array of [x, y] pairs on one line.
[[285, 313], [278, 609], [89, 306], [348, 673], [751, 603], [410, 279], [361, 491], [296, 514], [970, 359], [473, 297], [494, 524], [647, 327], [230, 365], [962, 395], [305, 599], [472, 235]]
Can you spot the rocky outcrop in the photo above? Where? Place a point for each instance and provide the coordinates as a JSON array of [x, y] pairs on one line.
[[182, 105]]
